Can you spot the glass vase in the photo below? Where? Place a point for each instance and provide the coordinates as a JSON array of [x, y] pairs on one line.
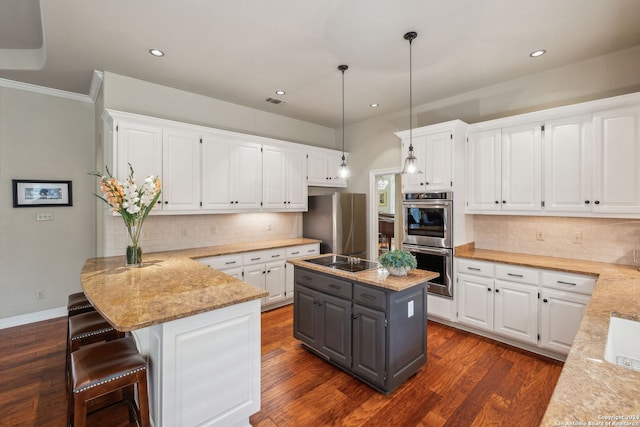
[[134, 256]]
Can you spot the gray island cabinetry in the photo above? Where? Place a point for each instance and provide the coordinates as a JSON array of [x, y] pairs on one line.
[[378, 334]]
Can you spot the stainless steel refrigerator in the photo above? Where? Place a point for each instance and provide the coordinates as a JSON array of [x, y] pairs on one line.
[[340, 221]]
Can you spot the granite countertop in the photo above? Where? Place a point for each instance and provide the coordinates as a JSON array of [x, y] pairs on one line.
[[589, 388], [169, 285], [377, 277]]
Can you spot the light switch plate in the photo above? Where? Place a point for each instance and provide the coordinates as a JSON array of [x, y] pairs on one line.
[[44, 216]]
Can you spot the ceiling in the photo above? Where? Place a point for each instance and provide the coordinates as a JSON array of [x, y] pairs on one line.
[[242, 51]]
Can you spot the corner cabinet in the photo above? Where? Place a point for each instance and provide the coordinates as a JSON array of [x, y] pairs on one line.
[[376, 334]]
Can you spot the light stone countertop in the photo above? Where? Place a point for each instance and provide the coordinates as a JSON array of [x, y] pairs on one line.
[[589, 388], [377, 277], [169, 285]]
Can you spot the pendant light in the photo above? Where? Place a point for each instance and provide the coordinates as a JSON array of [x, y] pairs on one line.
[[343, 172], [410, 163]]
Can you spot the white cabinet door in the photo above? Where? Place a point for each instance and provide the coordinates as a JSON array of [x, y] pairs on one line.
[[246, 176], [255, 275], [568, 158], [296, 182], [274, 178], [560, 316], [522, 168], [322, 169], [217, 152], [232, 173], [438, 160], [516, 311], [415, 182], [289, 281], [275, 282], [475, 304], [284, 180], [616, 186], [484, 181], [181, 169], [141, 146]]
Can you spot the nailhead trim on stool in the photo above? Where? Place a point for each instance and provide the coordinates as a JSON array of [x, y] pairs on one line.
[[105, 368], [78, 303]]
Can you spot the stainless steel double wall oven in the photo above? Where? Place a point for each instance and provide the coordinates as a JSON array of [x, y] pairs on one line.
[[428, 234]]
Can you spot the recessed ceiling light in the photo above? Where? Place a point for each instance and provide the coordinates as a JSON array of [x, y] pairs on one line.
[[537, 53], [280, 92], [156, 52], [374, 105]]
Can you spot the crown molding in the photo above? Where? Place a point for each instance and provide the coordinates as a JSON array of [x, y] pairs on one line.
[[96, 84], [45, 90]]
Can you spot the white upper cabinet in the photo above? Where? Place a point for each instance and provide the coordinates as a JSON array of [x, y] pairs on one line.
[[434, 154], [484, 171], [140, 145], [522, 168], [232, 173], [616, 137], [284, 179], [181, 169], [568, 160], [322, 168]]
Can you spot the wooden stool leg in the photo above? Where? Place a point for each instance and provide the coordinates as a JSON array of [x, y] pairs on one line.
[[143, 399], [79, 409]]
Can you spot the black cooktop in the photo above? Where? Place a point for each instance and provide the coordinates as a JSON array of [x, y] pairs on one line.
[[344, 263]]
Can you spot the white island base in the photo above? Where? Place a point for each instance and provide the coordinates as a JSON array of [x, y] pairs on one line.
[[204, 370]]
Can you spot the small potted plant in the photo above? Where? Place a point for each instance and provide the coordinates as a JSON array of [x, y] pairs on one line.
[[398, 262]]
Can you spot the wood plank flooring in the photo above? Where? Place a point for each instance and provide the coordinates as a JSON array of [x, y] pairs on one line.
[[468, 381]]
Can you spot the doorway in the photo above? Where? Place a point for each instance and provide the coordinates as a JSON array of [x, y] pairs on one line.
[[385, 225]]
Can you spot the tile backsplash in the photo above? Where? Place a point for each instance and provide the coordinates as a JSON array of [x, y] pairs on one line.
[[602, 239], [170, 232]]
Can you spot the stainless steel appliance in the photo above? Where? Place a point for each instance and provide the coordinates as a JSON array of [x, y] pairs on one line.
[[428, 235], [340, 221], [428, 219], [344, 263]]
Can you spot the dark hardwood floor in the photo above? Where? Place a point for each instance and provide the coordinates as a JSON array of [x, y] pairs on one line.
[[467, 381]]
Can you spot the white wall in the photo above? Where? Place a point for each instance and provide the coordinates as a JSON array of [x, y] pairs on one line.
[[51, 138]]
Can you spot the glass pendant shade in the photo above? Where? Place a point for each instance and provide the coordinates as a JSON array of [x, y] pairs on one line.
[[411, 163], [343, 172]]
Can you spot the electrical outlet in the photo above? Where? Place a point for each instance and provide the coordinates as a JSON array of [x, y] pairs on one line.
[[213, 229], [539, 235], [268, 227], [39, 294], [577, 237]]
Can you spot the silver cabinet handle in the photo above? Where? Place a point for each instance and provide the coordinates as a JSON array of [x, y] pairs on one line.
[[473, 268], [295, 253], [255, 259], [514, 275], [275, 256], [229, 262], [566, 283]]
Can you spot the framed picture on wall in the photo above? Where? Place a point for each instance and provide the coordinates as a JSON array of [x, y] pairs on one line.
[[29, 193], [382, 198]]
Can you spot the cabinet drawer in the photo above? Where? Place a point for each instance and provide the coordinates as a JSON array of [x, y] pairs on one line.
[[568, 281], [303, 250], [514, 273], [263, 256], [370, 297], [477, 268], [327, 284], [223, 262]]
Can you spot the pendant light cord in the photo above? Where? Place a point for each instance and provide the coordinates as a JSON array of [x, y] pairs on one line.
[[343, 68], [410, 36]]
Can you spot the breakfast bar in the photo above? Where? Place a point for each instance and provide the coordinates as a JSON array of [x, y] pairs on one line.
[[198, 327]]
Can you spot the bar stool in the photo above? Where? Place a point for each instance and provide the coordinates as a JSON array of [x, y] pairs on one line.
[[104, 369], [88, 328], [78, 303]]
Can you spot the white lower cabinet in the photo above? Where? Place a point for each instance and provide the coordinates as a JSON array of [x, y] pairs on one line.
[[540, 308], [266, 269]]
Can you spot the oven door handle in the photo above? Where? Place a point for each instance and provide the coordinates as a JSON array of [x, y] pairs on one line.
[[423, 249]]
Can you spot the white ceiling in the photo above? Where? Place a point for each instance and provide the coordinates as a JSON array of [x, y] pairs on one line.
[[242, 51]]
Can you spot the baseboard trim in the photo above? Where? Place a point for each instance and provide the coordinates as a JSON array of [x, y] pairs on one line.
[[38, 316]]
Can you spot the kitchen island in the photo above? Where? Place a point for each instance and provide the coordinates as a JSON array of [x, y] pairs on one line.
[[368, 323], [198, 327]]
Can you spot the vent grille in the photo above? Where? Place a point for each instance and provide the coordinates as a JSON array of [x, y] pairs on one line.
[[275, 101]]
